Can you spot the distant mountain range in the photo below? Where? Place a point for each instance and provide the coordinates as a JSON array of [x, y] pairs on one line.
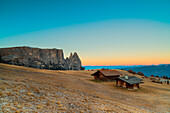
[[110, 67], [156, 70], [148, 70]]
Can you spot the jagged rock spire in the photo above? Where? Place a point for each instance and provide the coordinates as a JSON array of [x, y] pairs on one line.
[[75, 54], [71, 55], [74, 62]]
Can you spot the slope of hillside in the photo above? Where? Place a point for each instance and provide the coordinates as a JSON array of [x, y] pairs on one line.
[[25, 89]]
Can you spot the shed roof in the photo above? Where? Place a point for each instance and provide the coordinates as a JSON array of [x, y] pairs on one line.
[[131, 79], [108, 72]]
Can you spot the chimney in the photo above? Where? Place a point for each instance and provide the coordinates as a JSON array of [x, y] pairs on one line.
[[126, 77]]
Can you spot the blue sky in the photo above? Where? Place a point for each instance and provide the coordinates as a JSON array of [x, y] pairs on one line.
[[21, 16], [81, 25]]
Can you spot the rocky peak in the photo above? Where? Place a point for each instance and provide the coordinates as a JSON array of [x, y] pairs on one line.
[[74, 62], [75, 54], [71, 55]]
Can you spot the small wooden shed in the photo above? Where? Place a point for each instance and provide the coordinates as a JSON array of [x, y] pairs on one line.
[[106, 75], [129, 82]]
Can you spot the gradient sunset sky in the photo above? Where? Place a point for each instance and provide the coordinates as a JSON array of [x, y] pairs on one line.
[[102, 32]]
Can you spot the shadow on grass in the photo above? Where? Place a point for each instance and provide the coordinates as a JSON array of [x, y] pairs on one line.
[[98, 81], [141, 89]]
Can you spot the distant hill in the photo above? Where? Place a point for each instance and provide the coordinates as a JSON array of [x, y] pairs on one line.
[[160, 70]]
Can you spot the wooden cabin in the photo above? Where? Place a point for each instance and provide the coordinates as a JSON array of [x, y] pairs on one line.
[[129, 82], [106, 75]]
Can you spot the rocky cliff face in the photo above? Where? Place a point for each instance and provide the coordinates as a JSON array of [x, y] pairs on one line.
[[39, 58]]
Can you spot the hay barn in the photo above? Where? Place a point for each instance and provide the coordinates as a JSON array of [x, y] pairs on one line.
[[106, 75], [129, 82]]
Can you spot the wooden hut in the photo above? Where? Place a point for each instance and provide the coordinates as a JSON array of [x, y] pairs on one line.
[[106, 75], [130, 82]]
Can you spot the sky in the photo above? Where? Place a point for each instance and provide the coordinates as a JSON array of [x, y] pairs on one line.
[[102, 32]]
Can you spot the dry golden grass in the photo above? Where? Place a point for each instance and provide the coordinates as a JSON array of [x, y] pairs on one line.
[[33, 90]]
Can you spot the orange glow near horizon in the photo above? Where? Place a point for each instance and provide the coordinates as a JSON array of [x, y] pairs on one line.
[[145, 57], [107, 62]]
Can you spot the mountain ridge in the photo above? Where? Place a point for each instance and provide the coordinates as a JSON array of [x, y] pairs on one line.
[[156, 70], [40, 58]]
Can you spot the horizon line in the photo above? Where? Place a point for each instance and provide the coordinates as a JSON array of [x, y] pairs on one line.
[[126, 65]]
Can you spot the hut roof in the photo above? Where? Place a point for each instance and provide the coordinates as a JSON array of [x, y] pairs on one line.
[[131, 79], [107, 72]]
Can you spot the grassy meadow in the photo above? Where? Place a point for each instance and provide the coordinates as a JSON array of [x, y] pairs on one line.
[[30, 90]]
